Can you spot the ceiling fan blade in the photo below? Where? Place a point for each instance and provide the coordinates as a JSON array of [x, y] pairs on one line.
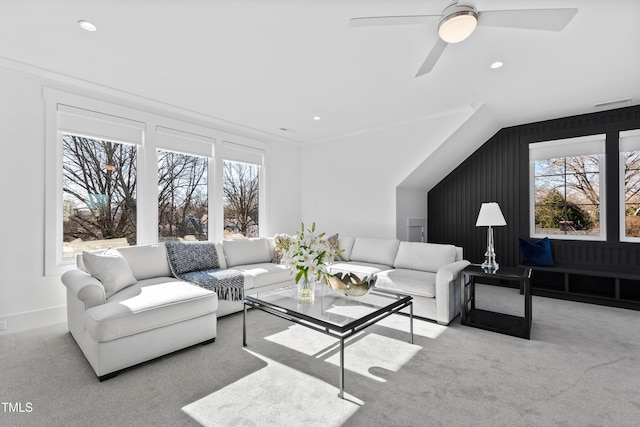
[[533, 19], [374, 21], [433, 57]]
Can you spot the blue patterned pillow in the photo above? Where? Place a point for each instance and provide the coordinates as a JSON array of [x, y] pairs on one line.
[[185, 257], [537, 253]]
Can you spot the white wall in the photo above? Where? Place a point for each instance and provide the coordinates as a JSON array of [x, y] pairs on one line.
[[28, 298], [349, 183]]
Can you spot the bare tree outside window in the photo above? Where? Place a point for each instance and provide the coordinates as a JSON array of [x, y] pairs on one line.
[[632, 193], [182, 197], [241, 199], [567, 196], [99, 194]]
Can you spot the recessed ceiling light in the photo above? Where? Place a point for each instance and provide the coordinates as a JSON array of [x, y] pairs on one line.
[[316, 118], [497, 64], [86, 25]]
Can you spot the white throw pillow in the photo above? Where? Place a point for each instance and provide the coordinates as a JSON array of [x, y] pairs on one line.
[[424, 256], [111, 269], [246, 251]]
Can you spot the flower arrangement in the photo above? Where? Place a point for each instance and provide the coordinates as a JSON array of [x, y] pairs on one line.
[[308, 253]]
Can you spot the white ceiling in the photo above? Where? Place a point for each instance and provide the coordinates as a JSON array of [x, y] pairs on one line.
[[269, 64]]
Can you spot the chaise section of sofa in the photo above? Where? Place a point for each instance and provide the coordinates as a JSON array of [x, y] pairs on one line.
[[128, 308], [429, 272], [120, 326]]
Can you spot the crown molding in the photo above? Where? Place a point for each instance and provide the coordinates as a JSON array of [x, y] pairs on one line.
[[106, 93]]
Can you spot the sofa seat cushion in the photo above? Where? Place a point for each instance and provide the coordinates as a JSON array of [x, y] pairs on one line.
[[412, 282], [359, 268], [263, 274], [147, 305]]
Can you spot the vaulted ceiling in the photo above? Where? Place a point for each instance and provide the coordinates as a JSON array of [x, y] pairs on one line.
[[266, 65]]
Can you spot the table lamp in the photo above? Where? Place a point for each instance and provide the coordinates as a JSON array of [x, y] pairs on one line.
[[490, 216]]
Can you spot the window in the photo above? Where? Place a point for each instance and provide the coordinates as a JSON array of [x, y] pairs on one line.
[[99, 194], [183, 205], [119, 176], [241, 199], [243, 181], [630, 186], [91, 191], [567, 194]]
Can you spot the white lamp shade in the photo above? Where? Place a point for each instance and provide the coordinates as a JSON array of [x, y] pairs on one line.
[[490, 215]]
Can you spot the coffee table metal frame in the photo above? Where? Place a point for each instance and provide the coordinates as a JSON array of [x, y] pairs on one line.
[[341, 332]]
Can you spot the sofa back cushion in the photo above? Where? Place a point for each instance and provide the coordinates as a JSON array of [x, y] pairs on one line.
[[346, 244], [375, 251], [221, 256], [424, 256], [147, 261], [246, 251]]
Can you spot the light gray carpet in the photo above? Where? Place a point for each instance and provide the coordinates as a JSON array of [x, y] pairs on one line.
[[579, 369]]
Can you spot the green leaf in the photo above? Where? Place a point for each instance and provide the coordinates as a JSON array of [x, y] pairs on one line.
[[299, 275]]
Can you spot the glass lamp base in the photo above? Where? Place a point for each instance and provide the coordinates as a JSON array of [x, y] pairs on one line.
[[489, 266]]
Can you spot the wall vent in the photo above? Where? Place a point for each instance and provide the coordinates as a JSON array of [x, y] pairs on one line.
[[614, 102]]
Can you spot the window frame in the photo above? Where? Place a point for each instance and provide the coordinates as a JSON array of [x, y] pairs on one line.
[[157, 132], [625, 146], [239, 151], [177, 141], [70, 113], [562, 148]]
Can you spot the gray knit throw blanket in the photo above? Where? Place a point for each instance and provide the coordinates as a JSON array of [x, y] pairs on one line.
[[197, 262]]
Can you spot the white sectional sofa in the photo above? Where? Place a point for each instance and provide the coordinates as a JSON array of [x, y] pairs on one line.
[[429, 272], [138, 311], [126, 307]]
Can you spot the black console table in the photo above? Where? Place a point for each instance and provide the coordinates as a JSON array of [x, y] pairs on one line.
[[497, 322]]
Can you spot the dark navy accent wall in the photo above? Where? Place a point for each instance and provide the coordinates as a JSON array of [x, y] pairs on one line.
[[499, 171]]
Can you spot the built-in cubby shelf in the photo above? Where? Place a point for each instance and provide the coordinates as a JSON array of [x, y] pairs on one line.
[[611, 288]]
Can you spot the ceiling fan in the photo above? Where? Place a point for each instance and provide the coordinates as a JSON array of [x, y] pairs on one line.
[[458, 20]]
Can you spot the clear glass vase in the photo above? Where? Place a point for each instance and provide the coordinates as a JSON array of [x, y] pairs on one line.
[[306, 290]]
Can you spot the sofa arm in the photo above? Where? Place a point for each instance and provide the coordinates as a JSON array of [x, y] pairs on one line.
[[448, 291], [84, 287]]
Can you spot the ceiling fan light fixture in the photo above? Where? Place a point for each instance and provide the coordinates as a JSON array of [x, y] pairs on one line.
[[86, 25], [457, 26]]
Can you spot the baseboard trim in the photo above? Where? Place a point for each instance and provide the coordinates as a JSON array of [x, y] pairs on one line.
[[34, 319]]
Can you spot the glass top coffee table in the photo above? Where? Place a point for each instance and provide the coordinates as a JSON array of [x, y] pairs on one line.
[[330, 313]]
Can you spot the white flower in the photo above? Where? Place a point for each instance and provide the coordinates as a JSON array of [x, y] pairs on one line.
[[308, 254]]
